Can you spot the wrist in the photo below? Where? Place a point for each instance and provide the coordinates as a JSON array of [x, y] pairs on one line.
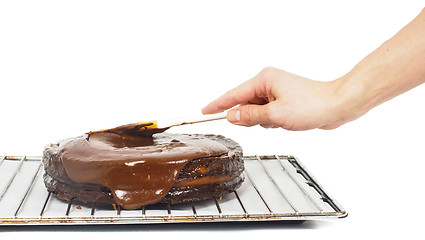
[[352, 98]]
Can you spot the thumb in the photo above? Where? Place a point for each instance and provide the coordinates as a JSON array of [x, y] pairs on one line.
[[249, 115]]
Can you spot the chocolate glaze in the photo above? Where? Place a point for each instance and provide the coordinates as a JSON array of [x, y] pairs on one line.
[[141, 129], [139, 170]]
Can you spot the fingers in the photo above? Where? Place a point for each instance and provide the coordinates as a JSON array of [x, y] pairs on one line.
[[241, 94], [269, 126], [251, 91], [254, 99], [250, 115]]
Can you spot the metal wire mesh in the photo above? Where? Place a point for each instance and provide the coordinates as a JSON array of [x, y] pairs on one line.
[[276, 188]]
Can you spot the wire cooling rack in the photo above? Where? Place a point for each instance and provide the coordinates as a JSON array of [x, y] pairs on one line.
[[276, 188]]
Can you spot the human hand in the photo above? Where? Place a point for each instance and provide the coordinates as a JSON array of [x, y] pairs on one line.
[[275, 98]]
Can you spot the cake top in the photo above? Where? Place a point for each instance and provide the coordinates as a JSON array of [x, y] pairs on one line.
[[138, 170]]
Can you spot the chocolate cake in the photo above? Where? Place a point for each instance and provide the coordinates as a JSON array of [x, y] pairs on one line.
[[132, 170]]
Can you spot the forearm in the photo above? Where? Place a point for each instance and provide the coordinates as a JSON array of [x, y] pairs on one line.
[[395, 67]]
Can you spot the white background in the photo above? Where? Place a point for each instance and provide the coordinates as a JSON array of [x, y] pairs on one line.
[[68, 67]]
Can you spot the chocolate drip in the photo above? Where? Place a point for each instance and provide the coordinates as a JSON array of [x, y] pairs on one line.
[[139, 170]]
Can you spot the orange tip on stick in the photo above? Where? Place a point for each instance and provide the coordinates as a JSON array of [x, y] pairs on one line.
[[153, 125]]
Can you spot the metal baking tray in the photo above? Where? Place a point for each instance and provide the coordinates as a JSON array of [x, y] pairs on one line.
[[276, 188]]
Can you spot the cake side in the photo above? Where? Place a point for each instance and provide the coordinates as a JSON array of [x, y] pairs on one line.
[[198, 179]]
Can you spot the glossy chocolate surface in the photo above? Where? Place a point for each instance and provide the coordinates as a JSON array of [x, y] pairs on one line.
[[139, 170]]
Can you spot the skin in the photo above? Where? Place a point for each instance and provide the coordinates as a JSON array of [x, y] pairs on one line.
[[276, 98]]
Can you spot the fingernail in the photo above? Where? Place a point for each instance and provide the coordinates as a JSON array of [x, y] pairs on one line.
[[234, 116]]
